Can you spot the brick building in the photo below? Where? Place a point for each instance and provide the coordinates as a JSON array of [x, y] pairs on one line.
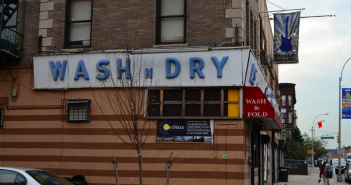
[[288, 101], [51, 36]]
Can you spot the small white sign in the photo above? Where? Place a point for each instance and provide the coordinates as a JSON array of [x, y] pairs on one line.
[[224, 156]]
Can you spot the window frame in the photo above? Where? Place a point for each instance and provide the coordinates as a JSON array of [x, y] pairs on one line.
[[66, 107], [68, 22], [12, 2], [283, 100], [290, 117], [222, 103], [158, 23]]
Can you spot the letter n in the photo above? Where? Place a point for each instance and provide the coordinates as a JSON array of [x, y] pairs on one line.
[[148, 73]]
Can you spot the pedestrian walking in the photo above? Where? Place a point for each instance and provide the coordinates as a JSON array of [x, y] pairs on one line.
[[326, 171]]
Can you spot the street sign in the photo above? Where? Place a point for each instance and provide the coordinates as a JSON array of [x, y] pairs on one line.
[[331, 137]]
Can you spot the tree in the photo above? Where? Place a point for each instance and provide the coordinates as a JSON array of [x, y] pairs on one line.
[[318, 146], [124, 97], [300, 144], [296, 135]]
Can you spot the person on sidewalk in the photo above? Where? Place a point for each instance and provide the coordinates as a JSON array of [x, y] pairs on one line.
[[323, 172]]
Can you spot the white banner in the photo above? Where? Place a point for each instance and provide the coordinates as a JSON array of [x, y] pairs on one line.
[[286, 37], [222, 67]]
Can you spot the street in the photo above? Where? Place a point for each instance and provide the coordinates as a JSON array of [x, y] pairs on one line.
[[310, 179]]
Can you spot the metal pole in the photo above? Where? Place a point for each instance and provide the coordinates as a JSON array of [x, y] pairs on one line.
[[339, 178], [313, 126], [312, 144]]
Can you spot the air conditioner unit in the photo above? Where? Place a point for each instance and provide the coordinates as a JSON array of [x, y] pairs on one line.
[[278, 94]]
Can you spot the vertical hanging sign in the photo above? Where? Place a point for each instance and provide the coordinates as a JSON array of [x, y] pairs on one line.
[[286, 37], [283, 114], [346, 103]]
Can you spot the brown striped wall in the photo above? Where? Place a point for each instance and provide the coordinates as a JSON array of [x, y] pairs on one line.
[[34, 137]]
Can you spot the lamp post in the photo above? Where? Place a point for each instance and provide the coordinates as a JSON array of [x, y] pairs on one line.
[[339, 177], [312, 137]]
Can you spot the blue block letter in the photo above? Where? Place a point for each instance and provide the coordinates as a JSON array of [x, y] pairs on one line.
[[81, 71], [198, 68], [103, 69], [148, 73], [170, 60], [219, 65], [58, 69], [120, 68]]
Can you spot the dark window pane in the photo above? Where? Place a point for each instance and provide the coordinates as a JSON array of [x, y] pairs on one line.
[[212, 110], [153, 110], [172, 110], [225, 113], [154, 96], [192, 110], [172, 95], [225, 94], [212, 95], [193, 95]]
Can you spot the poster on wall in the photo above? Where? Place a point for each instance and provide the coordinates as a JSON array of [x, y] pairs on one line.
[[286, 37], [174, 130], [346, 103]]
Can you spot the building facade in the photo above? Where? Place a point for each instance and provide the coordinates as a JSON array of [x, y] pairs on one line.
[[288, 101], [205, 62]]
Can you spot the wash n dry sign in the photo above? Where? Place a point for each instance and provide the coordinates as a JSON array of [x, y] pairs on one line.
[[181, 69]]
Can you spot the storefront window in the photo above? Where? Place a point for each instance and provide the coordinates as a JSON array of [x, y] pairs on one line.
[[194, 103], [265, 153]]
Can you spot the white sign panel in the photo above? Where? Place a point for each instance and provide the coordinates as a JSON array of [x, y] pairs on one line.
[[183, 69]]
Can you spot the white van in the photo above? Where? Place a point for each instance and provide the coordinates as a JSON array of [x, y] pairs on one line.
[[348, 157]]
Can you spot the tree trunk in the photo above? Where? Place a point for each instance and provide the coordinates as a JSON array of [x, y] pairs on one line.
[[115, 167], [140, 166]]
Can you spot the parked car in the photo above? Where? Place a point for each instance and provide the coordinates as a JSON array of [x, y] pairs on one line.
[[29, 176], [347, 173], [348, 157], [335, 164]]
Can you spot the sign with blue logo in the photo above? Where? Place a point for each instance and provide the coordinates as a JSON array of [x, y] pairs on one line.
[[286, 37], [346, 103], [184, 131]]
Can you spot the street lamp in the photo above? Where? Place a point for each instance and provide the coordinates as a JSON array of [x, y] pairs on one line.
[[312, 136], [339, 178]]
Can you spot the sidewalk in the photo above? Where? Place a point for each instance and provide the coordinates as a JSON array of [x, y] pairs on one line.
[[310, 179]]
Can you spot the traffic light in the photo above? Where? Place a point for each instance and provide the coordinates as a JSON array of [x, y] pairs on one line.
[[337, 137]]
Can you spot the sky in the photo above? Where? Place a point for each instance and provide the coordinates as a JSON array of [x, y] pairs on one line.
[[325, 45]]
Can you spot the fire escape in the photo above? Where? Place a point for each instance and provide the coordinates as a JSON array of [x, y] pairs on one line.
[[10, 41]]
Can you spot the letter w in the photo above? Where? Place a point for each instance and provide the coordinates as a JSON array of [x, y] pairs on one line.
[[58, 69]]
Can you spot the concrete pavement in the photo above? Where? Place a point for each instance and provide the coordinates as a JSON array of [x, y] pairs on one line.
[[310, 179]]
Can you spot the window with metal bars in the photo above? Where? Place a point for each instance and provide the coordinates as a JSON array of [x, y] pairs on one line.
[[77, 110], [1, 117], [195, 103]]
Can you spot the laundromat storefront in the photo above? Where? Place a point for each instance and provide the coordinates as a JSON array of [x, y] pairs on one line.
[[198, 104]]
